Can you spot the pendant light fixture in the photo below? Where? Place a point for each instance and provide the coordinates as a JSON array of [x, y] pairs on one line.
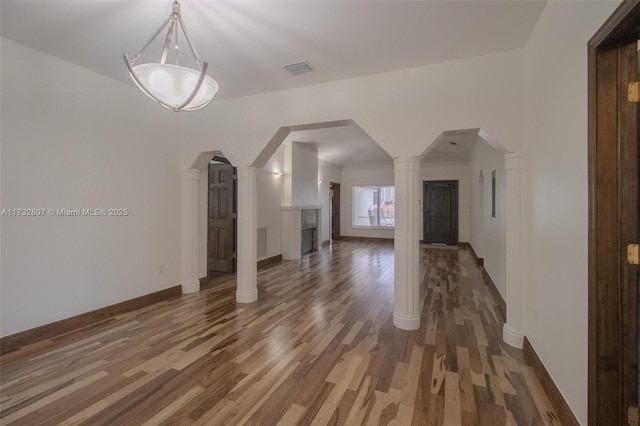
[[173, 86]]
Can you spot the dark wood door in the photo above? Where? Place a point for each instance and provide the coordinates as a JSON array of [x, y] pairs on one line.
[[614, 220], [334, 189], [441, 212], [221, 240]]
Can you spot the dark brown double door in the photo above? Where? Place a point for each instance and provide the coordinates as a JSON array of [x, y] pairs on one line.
[[441, 212], [221, 220]]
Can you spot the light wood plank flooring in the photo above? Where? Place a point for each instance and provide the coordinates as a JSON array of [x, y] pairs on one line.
[[318, 348]]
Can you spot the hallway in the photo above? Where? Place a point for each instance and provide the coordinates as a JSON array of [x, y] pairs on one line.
[[318, 347]]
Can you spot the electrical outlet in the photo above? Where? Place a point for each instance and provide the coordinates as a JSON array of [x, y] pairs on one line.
[[161, 269]]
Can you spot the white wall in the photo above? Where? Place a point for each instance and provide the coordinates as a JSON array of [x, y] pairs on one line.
[[270, 202], [304, 174], [287, 176], [357, 176], [488, 234], [327, 173], [75, 139], [443, 172], [556, 174]]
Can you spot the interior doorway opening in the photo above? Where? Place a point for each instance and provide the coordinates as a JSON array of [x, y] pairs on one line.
[[480, 228], [334, 208], [221, 217]]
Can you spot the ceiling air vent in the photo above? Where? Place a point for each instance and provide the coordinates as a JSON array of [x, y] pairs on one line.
[[298, 67]]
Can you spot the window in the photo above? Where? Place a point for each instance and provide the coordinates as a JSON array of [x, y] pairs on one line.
[[374, 206]]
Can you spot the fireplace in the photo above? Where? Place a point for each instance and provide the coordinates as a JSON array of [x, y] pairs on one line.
[[308, 237], [309, 230]]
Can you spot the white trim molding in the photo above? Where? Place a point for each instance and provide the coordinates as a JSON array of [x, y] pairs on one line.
[[191, 287], [512, 337]]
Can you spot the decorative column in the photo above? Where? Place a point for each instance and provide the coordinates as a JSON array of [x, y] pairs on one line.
[[189, 232], [247, 290], [406, 291], [513, 330]]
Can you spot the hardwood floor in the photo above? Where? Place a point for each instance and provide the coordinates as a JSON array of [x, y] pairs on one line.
[[318, 348]]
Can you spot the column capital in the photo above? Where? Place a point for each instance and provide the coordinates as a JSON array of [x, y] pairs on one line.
[[513, 160], [191, 174], [407, 159], [406, 163]]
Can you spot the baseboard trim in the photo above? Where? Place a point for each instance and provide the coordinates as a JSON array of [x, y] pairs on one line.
[[269, 261], [458, 244], [502, 305], [365, 239], [191, 287], [479, 260], [47, 331], [204, 282], [565, 414], [326, 243]]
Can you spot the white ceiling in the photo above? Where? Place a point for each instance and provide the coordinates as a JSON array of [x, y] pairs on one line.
[[344, 146], [452, 147], [247, 42]]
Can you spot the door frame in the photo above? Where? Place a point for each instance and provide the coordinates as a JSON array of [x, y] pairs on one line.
[[454, 213], [334, 231], [612, 365]]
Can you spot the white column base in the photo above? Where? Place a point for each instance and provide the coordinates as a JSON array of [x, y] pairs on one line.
[[191, 287], [406, 322], [291, 257], [246, 297], [512, 337]]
